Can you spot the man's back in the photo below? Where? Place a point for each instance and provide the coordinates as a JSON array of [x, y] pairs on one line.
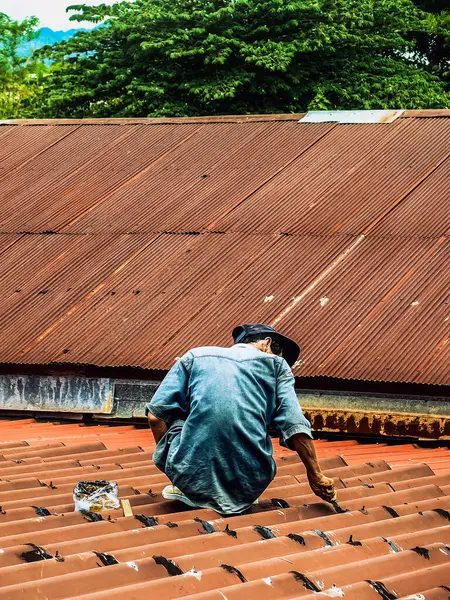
[[218, 403]]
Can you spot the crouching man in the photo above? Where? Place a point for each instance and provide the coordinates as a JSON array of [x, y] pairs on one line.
[[210, 415]]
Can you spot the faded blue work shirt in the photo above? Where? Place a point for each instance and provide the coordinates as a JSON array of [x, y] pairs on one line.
[[218, 403]]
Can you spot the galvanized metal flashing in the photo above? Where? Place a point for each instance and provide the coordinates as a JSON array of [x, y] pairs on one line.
[[352, 116]]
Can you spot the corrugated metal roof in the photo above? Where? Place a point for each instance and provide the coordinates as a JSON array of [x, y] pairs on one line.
[[348, 181], [338, 234], [392, 541]]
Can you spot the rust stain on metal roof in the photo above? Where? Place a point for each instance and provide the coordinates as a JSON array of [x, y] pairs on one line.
[[125, 242]]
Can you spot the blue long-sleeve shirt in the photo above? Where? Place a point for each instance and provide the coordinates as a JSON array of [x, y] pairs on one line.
[[218, 403]]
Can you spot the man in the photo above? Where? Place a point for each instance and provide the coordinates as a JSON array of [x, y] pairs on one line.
[[210, 416]]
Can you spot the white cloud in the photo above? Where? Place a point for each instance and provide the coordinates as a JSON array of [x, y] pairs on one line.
[[51, 13]]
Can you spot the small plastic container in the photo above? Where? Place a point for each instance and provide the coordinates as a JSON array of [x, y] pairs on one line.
[[96, 496]]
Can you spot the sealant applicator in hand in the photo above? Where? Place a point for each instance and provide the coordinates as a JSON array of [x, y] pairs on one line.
[[337, 507]]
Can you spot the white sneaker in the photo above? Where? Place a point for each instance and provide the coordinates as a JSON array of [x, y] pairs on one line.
[[170, 492]]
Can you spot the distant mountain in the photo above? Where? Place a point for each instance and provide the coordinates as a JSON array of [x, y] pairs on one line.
[[47, 36]]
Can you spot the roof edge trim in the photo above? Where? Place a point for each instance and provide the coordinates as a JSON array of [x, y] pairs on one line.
[[431, 113]]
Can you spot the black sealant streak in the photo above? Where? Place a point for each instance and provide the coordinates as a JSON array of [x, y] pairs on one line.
[[265, 532], [324, 537], [206, 526], [309, 585], [338, 508], [106, 559], [41, 511], [230, 532], [381, 590], [36, 554], [234, 571], [147, 521], [170, 565], [422, 552], [353, 542], [93, 517], [297, 538], [391, 511], [280, 503], [442, 513]]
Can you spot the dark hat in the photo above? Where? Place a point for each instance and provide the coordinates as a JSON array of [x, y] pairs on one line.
[[291, 350]]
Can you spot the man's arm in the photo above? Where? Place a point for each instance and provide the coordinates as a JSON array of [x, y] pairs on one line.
[[321, 485], [295, 433], [158, 427], [170, 401]]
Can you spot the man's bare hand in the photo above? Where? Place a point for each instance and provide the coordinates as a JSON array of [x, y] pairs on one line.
[[322, 486]]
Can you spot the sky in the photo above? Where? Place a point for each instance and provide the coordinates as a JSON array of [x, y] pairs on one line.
[[51, 13]]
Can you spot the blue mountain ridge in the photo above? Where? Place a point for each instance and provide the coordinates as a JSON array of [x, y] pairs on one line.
[[47, 36]]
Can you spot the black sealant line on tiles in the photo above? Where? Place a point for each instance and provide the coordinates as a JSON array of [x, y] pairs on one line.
[[295, 537], [206, 526], [229, 531], [265, 532], [382, 590], [424, 552], [391, 511], [234, 571], [309, 585], [324, 536], [442, 513], [170, 565], [36, 554], [41, 511], [106, 559], [91, 516], [147, 521]]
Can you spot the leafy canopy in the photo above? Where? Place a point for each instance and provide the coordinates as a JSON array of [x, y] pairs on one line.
[[17, 72], [433, 44], [197, 57]]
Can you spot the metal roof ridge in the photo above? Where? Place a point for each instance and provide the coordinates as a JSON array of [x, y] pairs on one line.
[[425, 113]]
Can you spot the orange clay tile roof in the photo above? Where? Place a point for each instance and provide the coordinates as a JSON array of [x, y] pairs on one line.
[[338, 234], [393, 541]]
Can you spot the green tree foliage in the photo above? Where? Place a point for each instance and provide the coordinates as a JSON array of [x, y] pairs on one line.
[[196, 57], [433, 45], [18, 74]]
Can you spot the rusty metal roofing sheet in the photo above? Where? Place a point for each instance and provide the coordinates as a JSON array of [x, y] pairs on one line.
[[258, 294], [392, 541], [348, 181], [415, 313], [202, 179], [320, 229], [60, 194], [425, 212], [56, 273], [21, 147], [138, 310], [351, 297]]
